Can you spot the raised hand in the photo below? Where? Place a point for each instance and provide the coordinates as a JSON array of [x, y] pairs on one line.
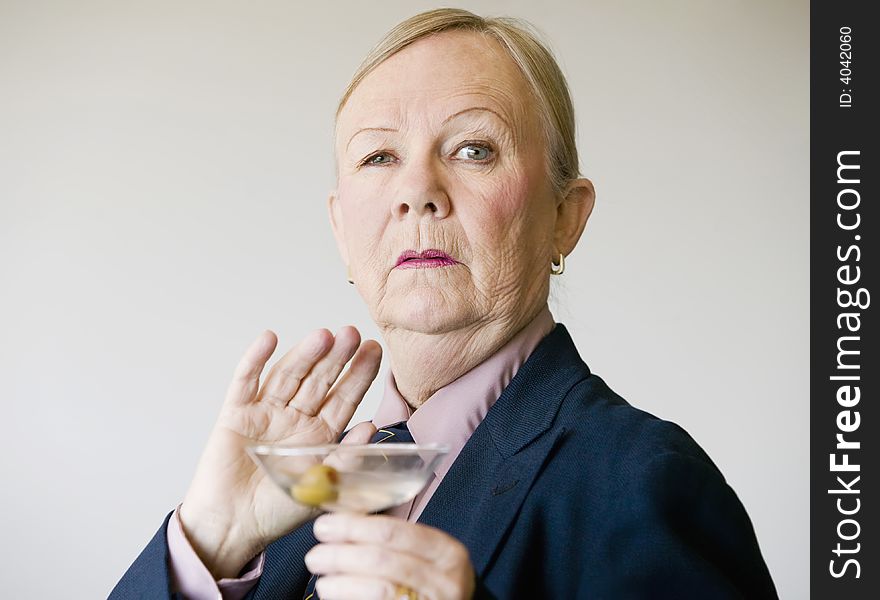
[[232, 510]]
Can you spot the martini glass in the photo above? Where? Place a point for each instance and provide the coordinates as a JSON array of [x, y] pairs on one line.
[[355, 478]]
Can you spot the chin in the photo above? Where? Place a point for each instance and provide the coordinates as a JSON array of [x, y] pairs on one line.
[[424, 310]]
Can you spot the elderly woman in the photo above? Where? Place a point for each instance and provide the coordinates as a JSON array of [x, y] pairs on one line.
[[457, 198]]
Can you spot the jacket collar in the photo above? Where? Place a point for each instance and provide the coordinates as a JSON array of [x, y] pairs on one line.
[[530, 402], [482, 492]]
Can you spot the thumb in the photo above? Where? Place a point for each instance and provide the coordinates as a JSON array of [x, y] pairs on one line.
[[361, 433]]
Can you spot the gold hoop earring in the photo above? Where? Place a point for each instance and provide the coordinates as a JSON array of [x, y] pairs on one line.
[[558, 269], [348, 274]]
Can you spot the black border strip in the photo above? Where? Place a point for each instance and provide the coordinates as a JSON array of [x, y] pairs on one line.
[[844, 367]]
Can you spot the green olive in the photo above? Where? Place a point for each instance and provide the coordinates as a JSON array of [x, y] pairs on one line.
[[316, 486]]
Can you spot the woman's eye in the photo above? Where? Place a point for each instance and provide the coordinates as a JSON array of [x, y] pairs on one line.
[[378, 159], [474, 152]]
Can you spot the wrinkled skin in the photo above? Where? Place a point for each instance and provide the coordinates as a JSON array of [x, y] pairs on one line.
[[441, 147]]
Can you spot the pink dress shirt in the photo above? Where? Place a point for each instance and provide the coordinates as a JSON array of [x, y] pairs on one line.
[[448, 417]]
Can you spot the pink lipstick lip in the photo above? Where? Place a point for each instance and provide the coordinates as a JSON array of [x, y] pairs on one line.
[[426, 258]]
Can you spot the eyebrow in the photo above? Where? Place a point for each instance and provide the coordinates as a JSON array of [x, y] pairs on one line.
[[477, 108], [365, 129], [445, 121]]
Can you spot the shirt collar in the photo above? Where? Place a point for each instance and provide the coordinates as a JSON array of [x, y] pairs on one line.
[[452, 413]]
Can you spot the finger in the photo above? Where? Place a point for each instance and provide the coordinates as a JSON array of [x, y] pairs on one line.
[[416, 539], [286, 376], [313, 391], [246, 378], [364, 563], [350, 587], [345, 396], [370, 560], [346, 461], [361, 433]]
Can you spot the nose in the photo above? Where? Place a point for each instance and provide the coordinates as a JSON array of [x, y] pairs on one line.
[[421, 192]]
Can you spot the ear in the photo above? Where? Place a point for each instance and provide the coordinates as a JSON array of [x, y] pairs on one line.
[[336, 223], [572, 213]]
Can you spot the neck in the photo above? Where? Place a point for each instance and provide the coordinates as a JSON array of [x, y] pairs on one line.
[[423, 363]]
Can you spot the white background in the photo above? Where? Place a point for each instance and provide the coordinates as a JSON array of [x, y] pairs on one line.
[[163, 174]]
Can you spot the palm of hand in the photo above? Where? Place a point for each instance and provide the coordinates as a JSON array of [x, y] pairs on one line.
[[295, 405]]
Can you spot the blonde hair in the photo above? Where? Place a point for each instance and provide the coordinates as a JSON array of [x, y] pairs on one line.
[[534, 59]]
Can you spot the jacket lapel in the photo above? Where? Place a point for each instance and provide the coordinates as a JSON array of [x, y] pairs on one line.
[[488, 482]]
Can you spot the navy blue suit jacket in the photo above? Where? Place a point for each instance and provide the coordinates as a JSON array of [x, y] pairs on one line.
[[563, 491]]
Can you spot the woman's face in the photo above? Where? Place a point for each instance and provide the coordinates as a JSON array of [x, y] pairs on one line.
[[440, 149]]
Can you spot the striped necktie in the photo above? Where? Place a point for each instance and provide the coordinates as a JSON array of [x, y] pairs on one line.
[[393, 434]]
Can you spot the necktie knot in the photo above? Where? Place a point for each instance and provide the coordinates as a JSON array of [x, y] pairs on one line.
[[398, 433]]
